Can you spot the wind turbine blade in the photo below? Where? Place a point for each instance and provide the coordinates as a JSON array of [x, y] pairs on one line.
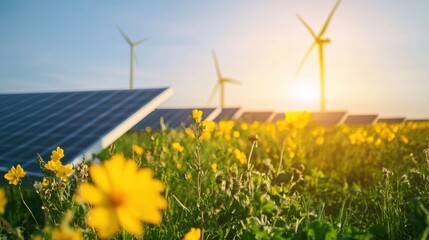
[[216, 63], [307, 26], [233, 81], [125, 36], [305, 58], [213, 92], [325, 26], [140, 41]]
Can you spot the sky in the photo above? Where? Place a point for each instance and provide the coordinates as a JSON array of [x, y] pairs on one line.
[[377, 61]]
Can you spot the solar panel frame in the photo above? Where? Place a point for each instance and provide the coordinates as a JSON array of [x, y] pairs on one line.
[[72, 120]]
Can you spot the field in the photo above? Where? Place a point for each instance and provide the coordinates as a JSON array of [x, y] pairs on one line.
[[234, 180]]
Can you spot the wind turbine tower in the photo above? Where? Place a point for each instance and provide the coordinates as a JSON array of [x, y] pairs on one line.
[[220, 82], [133, 45], [319, 40]]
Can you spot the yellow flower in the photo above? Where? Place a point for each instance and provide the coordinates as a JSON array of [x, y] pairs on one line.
[[65, 232], [241, 156], [236, 134], [3, 200], [179, 165], [14, 175], [57, 154], [214, 167], [197, 115], [188, 176], [404, 139], [64, 172], [190, 133], [45, 182], [209, 126], [117, 201], [53, 166], [193, 234], [137, 149], [297, 119], [178, 147], [320, 140]]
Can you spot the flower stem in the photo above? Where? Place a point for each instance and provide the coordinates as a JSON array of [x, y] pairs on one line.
[[198, 133], [23, 201], [249, 165]]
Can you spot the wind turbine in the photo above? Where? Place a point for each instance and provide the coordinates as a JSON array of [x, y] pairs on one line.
[[220, 82], [132, 54], [319, 40]]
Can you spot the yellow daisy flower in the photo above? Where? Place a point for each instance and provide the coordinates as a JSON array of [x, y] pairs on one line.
[[57, 154], [137, 149], [14, 175], [117, 201], [53, 166], [193, 234], [178, 147], [64, 172], [197, 115]]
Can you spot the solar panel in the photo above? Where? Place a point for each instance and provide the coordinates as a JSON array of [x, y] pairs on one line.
[[82, 123], [227, 114], [360, 119], [277, 117], [328, 118], [417, 120], [173, 118], [391, 120], [256, 116]]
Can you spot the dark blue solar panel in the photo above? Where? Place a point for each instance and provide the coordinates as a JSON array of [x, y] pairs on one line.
[[32, 123], [173, 118], [360, 119], [255, 116], [226, 114]]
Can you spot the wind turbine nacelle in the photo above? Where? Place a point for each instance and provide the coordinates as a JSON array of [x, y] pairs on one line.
[[323, 41]]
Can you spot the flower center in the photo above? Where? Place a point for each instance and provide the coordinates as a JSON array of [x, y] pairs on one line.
[[117, 198]]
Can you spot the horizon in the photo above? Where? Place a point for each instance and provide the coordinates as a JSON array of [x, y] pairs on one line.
[[49, 46]]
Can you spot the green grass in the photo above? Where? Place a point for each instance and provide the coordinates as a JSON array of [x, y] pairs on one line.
[[364, 182]]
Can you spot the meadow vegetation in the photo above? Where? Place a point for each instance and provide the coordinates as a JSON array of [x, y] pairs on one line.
[[233, 180]]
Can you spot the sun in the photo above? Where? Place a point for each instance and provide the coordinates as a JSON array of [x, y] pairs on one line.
[[305, 93]]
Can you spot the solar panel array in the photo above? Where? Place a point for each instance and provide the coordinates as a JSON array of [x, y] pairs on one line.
[[278, 117], [360, 119], [172, 117], [391, 120], [250, 117], [328, 118], [82, 123], [417, 120], [226, 114]]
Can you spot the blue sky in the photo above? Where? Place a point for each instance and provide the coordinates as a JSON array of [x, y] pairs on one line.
[[378, 61]]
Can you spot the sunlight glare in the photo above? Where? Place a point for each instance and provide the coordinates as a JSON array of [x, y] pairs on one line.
[[305, 93]]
